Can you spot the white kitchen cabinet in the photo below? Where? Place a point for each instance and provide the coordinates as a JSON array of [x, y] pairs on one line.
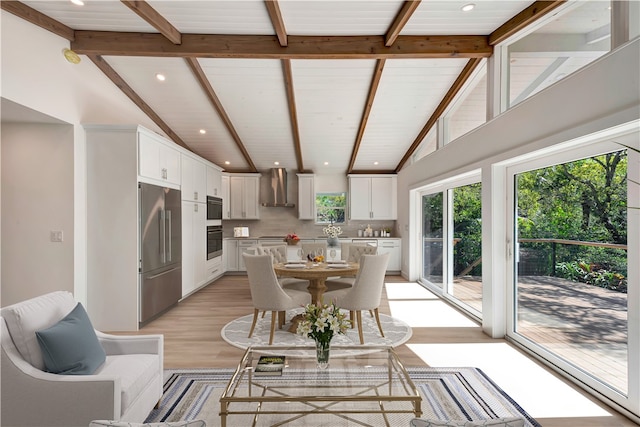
[[157, 160], [194, 246], [244, 193], [306, 196], [226, 209], [194, 180], [214, 182], [391, 246], [243, 247], [230, 254], [214, 269], [373, 197]]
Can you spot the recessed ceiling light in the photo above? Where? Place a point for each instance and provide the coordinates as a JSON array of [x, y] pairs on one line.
[[78, 2], [326, 163], [160, 77], [375, 163], [276, 163], [227, 162], [468, 7], [202, 131]]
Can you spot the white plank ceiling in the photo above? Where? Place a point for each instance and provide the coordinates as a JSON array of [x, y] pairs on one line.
[[329, 95]]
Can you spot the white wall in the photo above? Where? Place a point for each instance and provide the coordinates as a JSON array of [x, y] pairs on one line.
[[37, 197], [34, 74]]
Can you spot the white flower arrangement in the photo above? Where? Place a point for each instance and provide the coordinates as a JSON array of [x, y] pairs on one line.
[[332, 231], [321, 322]]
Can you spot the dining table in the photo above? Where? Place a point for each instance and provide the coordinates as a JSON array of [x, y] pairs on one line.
[[316, 273]]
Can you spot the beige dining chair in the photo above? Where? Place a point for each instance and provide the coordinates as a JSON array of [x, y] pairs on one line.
[[308, 248], [278, 252], [267, 294], [354, 252], [366, 292], [279, 255]]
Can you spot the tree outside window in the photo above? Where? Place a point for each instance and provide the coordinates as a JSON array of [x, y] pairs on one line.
[[331, 208]]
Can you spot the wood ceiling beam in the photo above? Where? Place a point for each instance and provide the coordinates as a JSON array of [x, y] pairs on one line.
[[400, 21], [523, 19], [31, 15], [373, 89], [153, 18], [199, 74], [276, 20], [127, 90], [268, 47], [293, 112], [466, 73]]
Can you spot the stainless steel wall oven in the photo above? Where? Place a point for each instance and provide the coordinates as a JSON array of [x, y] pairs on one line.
[[214, 207], [214, 241]]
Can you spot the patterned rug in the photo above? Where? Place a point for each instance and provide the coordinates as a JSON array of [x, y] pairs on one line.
[[447, 394], [396, 332]]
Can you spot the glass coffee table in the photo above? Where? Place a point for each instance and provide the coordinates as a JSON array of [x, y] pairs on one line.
[[366, 386]]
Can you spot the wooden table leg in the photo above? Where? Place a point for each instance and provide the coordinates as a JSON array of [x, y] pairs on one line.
[[316, 289]]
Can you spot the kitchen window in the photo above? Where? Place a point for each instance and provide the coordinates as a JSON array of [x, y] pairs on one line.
[[331, 208]]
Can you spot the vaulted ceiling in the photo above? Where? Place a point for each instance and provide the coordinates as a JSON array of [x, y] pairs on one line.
[[348, 86]]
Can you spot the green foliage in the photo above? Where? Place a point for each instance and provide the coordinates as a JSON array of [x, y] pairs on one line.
[[592, 274], [467, 227], [330, 208]]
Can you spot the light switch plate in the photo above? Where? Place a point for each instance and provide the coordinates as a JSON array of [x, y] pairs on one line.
[[57, 236]]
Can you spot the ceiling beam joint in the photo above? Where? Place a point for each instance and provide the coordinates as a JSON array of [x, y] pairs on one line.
[[153, 18], [408, 7], [276, 20]]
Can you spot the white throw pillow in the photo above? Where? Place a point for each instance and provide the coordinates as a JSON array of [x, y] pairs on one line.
[[107, 423]]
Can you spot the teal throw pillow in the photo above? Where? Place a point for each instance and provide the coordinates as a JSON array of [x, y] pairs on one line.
[[71, 346]]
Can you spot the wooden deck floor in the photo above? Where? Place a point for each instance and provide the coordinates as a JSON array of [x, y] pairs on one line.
[[583, 324]]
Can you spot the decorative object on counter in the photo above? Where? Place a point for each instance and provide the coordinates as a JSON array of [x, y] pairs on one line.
[[332, 232], [292, 239], [321, 322], [368, 232]]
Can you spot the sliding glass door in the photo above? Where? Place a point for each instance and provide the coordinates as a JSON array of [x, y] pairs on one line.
[[571, 269], [451, 242]]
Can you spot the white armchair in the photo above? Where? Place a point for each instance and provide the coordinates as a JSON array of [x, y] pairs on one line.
[[125, 387]]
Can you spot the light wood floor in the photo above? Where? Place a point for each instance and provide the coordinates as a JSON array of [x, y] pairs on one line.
[[192, 337]]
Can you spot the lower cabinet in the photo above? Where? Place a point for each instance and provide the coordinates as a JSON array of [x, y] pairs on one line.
[[232, 251], [392, 246], [214, 269], [230, 254]]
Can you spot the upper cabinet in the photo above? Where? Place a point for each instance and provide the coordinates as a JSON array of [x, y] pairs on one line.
[[157, 160], [226, 209], [214, 182], [194, 179], [306, 196], [244, 193], [373, 197]]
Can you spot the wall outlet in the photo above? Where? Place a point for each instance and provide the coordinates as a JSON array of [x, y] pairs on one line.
[[57, 236]]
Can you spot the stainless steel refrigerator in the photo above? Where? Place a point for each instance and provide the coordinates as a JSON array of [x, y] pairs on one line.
[[160, 251]]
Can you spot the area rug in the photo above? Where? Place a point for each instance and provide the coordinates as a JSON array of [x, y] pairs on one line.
[[447, 394], [236, 333]]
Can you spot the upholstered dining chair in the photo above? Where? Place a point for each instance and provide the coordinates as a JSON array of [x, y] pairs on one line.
[[366, 292], [353, 254], [279, 254], [267, 294], [308, 248], [355, 251]]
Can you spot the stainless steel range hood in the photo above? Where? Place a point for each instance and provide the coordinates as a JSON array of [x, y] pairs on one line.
[[278, 190]]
